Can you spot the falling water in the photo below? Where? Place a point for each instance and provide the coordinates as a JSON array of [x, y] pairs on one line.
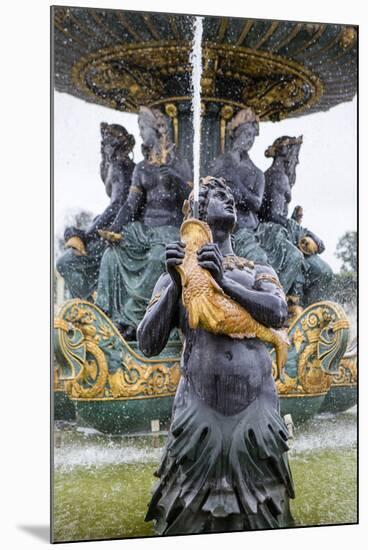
[[196, 61]]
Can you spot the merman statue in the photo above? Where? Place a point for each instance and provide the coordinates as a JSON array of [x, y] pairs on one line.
[[148, 220], [245, 180], [80, 264], [292, 250], [225, 465]]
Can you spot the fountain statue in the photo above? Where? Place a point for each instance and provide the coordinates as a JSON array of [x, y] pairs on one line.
[[229, 306], [246, 181], [80, 263], [292, 250], [147, 221], [225, 464]]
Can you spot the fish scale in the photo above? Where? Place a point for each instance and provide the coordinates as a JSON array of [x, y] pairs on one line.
[[208, 306]]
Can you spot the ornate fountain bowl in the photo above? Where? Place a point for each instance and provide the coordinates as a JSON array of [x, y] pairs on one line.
[[115, 389]]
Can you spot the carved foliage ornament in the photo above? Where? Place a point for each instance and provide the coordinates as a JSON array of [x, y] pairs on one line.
[[127, 76]]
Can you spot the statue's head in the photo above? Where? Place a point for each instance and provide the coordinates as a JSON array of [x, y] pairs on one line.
[[216, 203], [287, 147], [243, 129], [115, 139], [153, 126]]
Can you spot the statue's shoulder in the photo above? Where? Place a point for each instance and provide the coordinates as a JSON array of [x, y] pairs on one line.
[[264, 273]]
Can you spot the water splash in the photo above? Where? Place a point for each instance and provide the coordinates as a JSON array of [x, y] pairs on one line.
[[326, 431], [88, 449], [196, 62]]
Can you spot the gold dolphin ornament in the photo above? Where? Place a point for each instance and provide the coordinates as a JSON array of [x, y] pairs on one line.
[[208, 306]]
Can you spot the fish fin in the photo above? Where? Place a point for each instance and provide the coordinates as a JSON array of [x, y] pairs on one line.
[[205, 313]]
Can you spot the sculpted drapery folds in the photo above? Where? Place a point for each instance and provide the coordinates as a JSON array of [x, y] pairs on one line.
[[148, 220], [80, 263], [245, 180], [225, 464]]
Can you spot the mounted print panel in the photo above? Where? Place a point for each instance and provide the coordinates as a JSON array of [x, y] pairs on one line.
[[205, 349]]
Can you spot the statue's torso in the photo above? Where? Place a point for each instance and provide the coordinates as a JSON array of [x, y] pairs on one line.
[[163, 200], [227, 373]]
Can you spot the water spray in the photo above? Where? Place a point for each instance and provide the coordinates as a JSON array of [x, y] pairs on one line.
[[196, 62]]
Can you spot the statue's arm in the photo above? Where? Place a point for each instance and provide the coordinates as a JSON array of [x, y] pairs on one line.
[[160, 317], [131, 207], [116, 179], [265, 301], [276, 203], [179, 176]]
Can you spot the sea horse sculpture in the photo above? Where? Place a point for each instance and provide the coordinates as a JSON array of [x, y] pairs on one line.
[[207, 304]]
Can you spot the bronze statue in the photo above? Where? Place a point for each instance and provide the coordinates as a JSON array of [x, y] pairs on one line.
[[147, 221], [246, 182], [80, 264], [225, 466], [292, 250]]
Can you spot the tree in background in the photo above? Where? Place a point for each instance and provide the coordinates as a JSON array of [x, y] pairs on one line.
[[346, 251], [344, 283]]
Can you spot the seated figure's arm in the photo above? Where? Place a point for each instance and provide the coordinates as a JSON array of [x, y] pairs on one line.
[[253, 197], [116, 179], [179, 177], [160, 317], [129, 210], [265, 302]]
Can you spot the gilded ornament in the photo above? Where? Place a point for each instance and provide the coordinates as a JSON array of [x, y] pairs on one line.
[[209, 307], [77, 245]]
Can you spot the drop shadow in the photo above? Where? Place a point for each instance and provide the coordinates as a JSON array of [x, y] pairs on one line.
[[41, 532]]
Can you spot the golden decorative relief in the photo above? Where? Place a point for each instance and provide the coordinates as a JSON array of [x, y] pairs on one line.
[[298, 338], [137, 380], [347, 38], [131, 374], [126, 76], [77, 245], [308, 246], [347, 374], [312, 346]]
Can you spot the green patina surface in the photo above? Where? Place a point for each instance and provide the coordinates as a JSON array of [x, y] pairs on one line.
[[340, 399], [103, 484]]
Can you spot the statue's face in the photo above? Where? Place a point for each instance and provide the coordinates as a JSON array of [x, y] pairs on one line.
[[148, 134], [244, 136], [221, 211], [109, 145]]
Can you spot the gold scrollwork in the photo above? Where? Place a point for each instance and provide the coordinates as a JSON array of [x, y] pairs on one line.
[[121, 77], [307, 335], [136, 380]]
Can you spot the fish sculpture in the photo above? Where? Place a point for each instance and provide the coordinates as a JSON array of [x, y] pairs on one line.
[[208, 306]]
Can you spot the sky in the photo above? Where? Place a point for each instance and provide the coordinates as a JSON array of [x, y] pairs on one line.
[[326, 183]]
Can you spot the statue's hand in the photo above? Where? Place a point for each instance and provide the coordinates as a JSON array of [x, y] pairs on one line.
[[174, 256], [308, 246], [167, 172], [110, 236], [77, 245], [210, 258]]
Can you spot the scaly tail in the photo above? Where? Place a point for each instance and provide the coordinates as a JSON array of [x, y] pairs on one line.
[[280, 342], [205, 313]]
